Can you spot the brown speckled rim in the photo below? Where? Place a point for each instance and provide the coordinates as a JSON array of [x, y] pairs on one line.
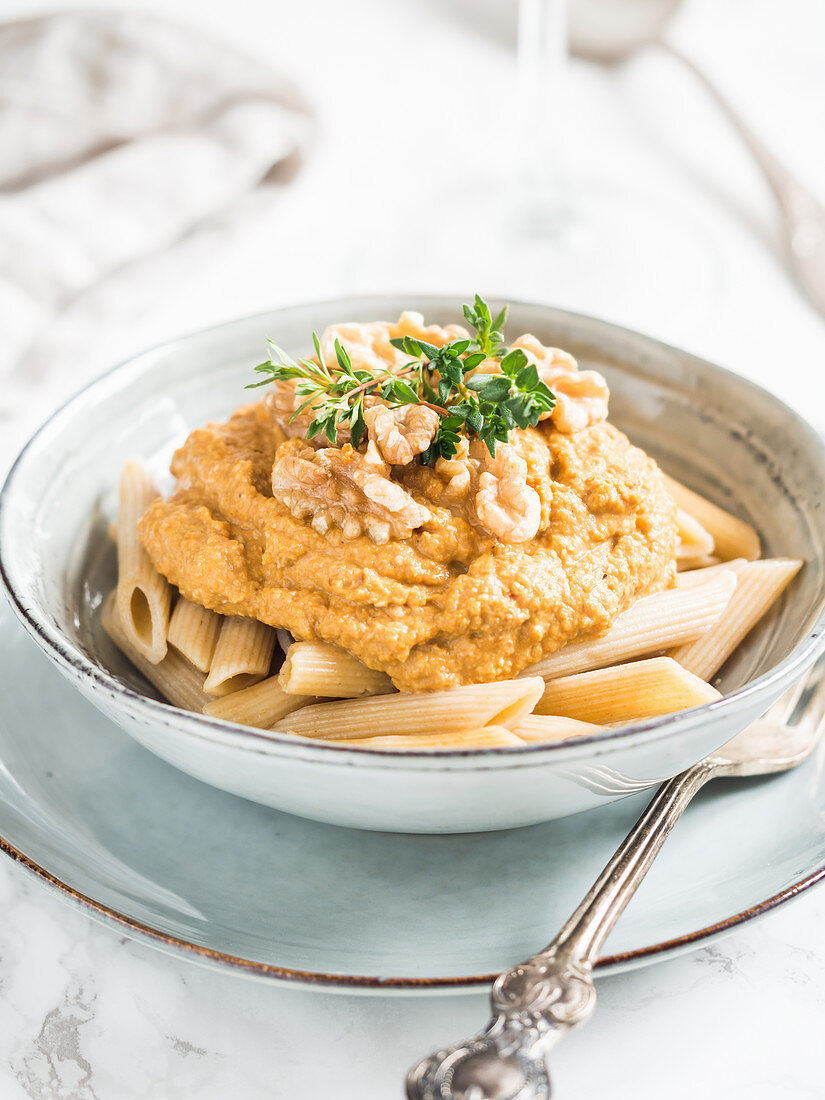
[[207, 956]]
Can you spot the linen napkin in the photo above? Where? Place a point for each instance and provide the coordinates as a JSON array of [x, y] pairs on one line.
[[120, 132]]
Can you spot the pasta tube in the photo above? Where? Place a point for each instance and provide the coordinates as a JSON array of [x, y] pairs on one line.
[[178, 681], [624, 693], [706, 572], [454, 711], [143, 595], [700, 561], [732, 537], [488, 737], [261, 705], [193, 631], [552, 727], [695, 542], [650, 624], [760, 583], [313, 668], [242, 655]]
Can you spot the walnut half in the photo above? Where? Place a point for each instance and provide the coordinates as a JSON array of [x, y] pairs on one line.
[[505, 504], [581, 396], [401, 434], [339, 487]]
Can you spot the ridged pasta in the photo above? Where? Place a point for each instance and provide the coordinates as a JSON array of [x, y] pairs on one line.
[[625, 693], [143, 595], [759, 585], [552, 727], [732, 537], [193, 631], [488, 737], [242, 655], [313, 668], [174, 677], [261, 705], [651, 624], [453, 711]]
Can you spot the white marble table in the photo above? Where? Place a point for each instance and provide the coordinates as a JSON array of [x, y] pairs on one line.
[[85, 1014]]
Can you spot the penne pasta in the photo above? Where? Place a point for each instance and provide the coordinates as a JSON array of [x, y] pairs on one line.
[[261, 705], [453, 711], [624, 693], [732, 537], [177, 680], [143, 595], [695, 542], [700, 561], [242, 655], [649, 625], [313, 668], [193, 631], [704, 573], [487, 737], [552, 727], [759, 585]]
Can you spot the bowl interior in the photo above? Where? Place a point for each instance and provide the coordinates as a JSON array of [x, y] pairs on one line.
[[721, 435]]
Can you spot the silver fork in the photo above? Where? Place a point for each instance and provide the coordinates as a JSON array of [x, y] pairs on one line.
[[535, 1003]]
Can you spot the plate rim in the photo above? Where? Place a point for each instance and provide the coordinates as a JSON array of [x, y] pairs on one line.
[[352, 983]]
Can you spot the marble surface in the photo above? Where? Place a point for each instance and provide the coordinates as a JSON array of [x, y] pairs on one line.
[[85, 1014]]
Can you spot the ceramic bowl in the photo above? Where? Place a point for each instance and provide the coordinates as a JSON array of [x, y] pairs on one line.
[[722, 435]]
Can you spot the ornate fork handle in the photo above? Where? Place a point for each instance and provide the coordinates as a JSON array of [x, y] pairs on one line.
[[536, 1002]]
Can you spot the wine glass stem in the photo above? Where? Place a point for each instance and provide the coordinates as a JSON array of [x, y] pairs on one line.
[[542, 58]]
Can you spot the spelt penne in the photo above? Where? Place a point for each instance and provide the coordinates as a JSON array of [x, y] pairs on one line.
[[313, 668], [193, 631], [759, 585], [175, 678], [242, 655], [488, 737], [732, 537], [695, 541], [648, 626], [552, 727], [624, 693], [453, 711], [261, 705], [143, 595], [700, 561], [704, 573]]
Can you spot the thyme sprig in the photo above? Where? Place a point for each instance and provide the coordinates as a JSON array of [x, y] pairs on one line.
[[484, 406]]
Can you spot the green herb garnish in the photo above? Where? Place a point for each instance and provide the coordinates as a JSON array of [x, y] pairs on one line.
[[486, 406]]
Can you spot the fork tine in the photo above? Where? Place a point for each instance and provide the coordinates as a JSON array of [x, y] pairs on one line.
[[813, 693], [782, 710]]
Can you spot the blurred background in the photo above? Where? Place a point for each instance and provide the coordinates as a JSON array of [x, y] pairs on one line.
[[170, 166]]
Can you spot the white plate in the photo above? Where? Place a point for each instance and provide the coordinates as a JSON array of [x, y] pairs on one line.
[[230, 883]]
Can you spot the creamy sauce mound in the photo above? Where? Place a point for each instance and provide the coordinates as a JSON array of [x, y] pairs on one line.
[[464, 572]]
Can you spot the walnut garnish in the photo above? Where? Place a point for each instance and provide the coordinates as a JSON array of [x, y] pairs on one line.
[[402, 433], [340, 487], [505, 504], [581, 396]]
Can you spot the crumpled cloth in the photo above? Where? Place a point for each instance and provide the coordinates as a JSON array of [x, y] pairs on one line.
[[121, 132]]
